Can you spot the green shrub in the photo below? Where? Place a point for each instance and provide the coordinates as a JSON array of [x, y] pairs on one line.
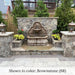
[[2, 20], [41, 10], [19, 10], [65, 15]]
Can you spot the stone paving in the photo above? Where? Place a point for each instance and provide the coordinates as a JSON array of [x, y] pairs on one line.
[[37, 61]]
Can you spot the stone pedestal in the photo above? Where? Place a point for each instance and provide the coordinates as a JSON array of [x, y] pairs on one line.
[[67, 42], [5, 41]]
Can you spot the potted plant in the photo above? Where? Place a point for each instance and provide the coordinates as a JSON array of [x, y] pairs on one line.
[[18, 40], [56, 40]]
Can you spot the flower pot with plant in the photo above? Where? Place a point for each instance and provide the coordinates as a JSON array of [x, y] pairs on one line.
[[56, 40], [18, 40], [20, 31], [56, 36]]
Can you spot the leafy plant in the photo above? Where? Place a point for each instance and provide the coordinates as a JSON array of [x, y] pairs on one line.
[[65, 15], [19, 37], [55, 31], [56, 36], [20, 31], [1, 19], [41, 10]]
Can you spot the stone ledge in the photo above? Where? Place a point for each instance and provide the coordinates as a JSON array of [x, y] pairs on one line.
[[68, 33], [37, 37], [17, 49], [56, 49], [6, 34], [16, 41], [39, 17], [52, 49]]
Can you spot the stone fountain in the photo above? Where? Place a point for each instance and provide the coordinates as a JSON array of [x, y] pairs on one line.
[[37, 35]]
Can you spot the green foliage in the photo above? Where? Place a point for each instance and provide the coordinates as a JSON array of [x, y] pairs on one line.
[[55, 31], [41, 10], [20, 31], [19, 37], [1, 19], [65, 15], [56, 36], [19, 10]]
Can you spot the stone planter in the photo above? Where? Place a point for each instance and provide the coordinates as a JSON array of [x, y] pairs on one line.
[[57, 43], [17, 43]]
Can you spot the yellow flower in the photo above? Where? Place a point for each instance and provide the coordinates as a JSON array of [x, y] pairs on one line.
[[56, 36], [20, 37]]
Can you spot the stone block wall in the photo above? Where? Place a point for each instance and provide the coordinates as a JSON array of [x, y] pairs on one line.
[[49, 23]]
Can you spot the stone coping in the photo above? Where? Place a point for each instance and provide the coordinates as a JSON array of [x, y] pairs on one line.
[[6, 33], [52, 49], [38, 17], [37, 37], [16, 41], [68, 33]]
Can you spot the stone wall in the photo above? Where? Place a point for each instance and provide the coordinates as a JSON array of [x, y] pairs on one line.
[[49, 23]]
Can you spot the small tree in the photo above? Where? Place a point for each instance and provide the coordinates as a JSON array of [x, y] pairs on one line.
[[41, 10], [65, 15], [19, 10], [1, 19]]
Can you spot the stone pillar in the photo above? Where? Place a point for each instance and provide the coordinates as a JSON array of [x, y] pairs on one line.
[[67, 42], [5, 41]]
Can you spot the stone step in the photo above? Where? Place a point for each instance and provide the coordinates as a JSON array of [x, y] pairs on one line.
[[21, 51]]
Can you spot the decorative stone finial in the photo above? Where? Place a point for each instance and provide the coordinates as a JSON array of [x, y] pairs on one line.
[[72, 23], [2, 24]]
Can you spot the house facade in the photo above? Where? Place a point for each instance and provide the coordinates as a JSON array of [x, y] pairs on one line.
[[32, 4], [28, 4]]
